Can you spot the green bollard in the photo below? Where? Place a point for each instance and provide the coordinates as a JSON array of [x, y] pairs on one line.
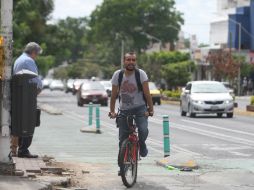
[[98, 119], [166, 136], [90, 114]]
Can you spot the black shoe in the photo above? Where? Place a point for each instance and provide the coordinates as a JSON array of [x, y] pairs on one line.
[[143, 151], [28, 155]]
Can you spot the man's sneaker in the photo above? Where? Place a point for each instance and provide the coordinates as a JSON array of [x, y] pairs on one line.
[[143, 151]]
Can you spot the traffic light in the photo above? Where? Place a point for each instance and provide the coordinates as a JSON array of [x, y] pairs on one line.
[[1, 57]]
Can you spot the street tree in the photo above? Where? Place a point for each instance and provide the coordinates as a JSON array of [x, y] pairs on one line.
[[29, 22], [224, 65], [131, 21]]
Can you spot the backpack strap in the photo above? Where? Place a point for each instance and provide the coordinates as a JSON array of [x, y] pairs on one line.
[[120, 79], [139, 84]]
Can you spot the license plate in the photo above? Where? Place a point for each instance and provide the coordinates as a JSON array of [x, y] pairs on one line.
[[214, 107], [95, 99]]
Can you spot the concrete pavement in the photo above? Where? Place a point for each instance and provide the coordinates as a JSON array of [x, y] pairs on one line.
[[223, 148]]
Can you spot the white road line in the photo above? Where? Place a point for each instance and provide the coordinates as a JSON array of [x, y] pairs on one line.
[[239, 154], [217, 127], [153, 141]]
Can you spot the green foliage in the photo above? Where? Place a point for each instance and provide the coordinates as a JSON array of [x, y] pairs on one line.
[[252, 100], [65, 40], [177, 74], [61, 73], [162, 64], [247, 70], [29, 22], [45, 63], [172, 94], [117, 20], [83, 70]]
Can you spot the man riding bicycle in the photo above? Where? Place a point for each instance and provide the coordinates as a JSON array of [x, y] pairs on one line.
[[131, 86]]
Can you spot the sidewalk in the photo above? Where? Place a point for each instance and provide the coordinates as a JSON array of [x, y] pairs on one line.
[[34, 174]]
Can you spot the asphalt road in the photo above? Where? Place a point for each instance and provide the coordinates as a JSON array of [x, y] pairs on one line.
[[222, 147]]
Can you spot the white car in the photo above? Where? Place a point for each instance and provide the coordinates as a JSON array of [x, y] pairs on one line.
[[76, 85], [56, 85], [206, 97], [107, 86], [46, 82]]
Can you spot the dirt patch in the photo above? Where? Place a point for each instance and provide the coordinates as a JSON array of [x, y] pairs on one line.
[[85, 175]]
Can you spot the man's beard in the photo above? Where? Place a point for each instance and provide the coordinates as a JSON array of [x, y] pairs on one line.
[[129, 68]]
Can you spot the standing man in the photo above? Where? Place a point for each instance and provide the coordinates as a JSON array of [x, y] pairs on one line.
[[24, 63], [131, 84]]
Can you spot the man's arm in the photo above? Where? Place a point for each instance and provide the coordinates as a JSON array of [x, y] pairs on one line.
[[114, 94], [148, 97]]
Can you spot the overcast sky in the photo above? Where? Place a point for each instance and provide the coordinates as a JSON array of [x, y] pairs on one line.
[[197, 13]]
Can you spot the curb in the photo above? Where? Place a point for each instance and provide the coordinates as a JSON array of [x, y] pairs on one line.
[[90, 129], [50, 109], [180, 161]]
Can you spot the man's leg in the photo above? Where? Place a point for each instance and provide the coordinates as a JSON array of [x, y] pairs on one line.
[[24, 144], [142, 124], [14, 145], [123, 132]]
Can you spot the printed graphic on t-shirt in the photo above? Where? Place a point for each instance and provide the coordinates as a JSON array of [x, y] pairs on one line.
[[127, 89]]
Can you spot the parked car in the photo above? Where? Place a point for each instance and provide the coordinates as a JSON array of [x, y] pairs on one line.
[[206, 97], [56, 85], [107, 86], [46, 82], [155, 93], [76, 85], [69, 85], [92, 91]]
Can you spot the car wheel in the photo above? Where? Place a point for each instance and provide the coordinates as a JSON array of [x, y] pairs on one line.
[[219, 114], [80, 104], [190, 113], [183, 113], [159, 102], [105, 104], [230, 115]]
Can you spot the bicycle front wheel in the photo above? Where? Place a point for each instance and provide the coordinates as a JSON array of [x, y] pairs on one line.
[[128, 162]]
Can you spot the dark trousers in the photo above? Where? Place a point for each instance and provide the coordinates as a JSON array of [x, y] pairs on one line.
[[24, 143]]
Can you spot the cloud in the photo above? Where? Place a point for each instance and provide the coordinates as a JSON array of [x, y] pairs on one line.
[[74, 8], [197, 13]]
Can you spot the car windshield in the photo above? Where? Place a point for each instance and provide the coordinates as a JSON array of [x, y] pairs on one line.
[[208, 88], [152, 86], [57, 82], [92, 86], [106, 83]]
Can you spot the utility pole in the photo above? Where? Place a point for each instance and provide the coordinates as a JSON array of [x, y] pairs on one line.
[[239, 70], [122, 53], [6, 34]]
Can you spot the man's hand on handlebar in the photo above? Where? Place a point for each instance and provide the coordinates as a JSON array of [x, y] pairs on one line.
[[112, 115], [148, 113]]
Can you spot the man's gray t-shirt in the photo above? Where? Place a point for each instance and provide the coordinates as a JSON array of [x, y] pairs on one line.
[[130, 96]]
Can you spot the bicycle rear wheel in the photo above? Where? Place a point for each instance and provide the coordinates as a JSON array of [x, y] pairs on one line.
[[128, 163]]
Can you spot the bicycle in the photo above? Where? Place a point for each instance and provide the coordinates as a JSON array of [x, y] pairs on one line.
[[129, 154]]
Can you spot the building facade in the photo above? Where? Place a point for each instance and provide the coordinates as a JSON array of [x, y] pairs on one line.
[[241, 28]]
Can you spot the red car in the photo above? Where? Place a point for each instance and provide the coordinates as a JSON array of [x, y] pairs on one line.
[[92, 91]]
